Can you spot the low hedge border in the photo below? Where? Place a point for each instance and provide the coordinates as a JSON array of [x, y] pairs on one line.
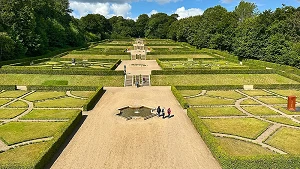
[[61, 88], [8, 87], [236, 162], [93, 100], [218, 71], [114, 67], [60, 72], [210, 87], [179, 97], [276, 86]]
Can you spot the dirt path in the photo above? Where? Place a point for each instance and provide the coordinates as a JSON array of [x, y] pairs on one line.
[[108, 141]]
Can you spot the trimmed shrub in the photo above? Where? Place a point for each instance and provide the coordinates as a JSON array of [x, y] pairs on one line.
[[55, 83], [8, 87], [204, 71], [210, 87], [62, 88], [116, 65], [93, 100], [277, 86], [179, 97]]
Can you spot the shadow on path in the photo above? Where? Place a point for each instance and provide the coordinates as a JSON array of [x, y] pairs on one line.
[[66, 142]]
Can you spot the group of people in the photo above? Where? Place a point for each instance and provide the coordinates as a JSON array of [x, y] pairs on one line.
[[161, 112]]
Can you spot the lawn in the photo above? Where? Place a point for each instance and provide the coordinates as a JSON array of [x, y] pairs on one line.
[[10, 113], [260, 111], [74, 80], [256, 93], [15, 132], [153, 57], [4, 101], [84, 94], [286, 111], [244, 127], [249, 102], [273, 100], [67, 102], [44, 95], [284, 120], [18, 104], [204, 100], [219, 79], [190, 92], [225, 94], [287, 92], [218, 111], [50, 114], [286, 139], [235, 147], [12, 94]]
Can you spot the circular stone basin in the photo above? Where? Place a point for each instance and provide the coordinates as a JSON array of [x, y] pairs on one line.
[[130, 112]]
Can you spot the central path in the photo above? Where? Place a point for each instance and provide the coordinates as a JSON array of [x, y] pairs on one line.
[[109, 141]]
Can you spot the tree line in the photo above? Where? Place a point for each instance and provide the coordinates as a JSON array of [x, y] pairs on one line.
[[35, 27]]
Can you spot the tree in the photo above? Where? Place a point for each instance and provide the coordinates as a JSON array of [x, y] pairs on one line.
[[7, 47], [141, 24], [245, 10], [96, 24]]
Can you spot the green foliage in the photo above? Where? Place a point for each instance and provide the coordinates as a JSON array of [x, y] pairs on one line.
[[204, 71], [55, 83], [93, 100], [179, 97], [61, 88]]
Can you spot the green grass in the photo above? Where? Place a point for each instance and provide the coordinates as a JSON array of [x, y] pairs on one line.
[[249, 102], [287, 92], [189, 92], [204, 100], [44, 95], [18, 104], [84, 94], [10, 113], [286, 111], [218, 79], [63, 102], [90, 56], [50, 114], [260, 110], [283, 120], [226, 94], [24, 155], [55, 83], [15, 132], [153, 57], [273, 100], [74, 80], [244, 127], [12, 94], [298, 118], [218, 111], [4, 101], [256, 93], [286, 139], [235, 147]]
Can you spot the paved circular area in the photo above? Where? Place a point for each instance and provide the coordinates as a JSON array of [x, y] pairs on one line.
[[108, 141]]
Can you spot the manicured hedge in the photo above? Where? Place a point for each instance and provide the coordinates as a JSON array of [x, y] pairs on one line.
[[277, 86], [210, 87], [62, 88], [116, 65], [179, 97], [93, 100], [204, 71], [48, 71], [8, 87]]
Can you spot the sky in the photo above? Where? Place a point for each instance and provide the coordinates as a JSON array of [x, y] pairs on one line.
[[131, 9]]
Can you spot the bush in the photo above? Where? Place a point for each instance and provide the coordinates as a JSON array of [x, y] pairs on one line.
[[62, 88], [210, 87], [55, 83], [116, 65], [8, 87], [180, 98], [204, 71], [93, 100], [277, 86]]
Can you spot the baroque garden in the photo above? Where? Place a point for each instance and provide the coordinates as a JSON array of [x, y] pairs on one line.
[[238, 108]]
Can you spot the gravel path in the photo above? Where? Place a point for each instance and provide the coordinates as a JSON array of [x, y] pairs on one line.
[[107, 141]]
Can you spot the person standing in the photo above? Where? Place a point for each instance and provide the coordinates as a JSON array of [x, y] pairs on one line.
[[158, 111], [169, 112]]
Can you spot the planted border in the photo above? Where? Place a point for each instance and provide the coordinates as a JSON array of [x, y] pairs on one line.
[[204, 71], [93, 100], [61, 88], [179, 97]]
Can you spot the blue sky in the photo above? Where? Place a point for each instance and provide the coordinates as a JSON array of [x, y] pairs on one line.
[[185, 8]]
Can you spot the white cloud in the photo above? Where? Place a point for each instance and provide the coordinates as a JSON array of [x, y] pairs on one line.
[[163, 1], [103, 1], [226, 1], [184, 13], [153, 12], [121, 9], [81, 9]]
